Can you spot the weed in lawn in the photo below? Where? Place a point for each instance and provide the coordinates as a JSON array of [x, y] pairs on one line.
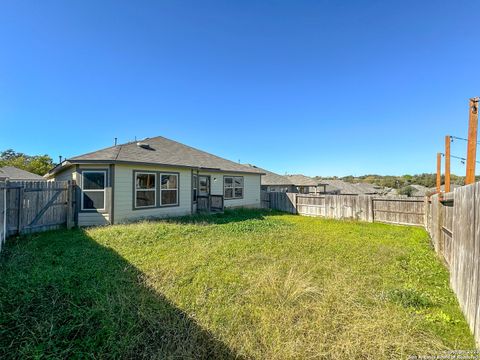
[[409, 298]]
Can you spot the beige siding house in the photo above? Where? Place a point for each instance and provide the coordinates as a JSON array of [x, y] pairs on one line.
[[304, 184], [155, 178], [272, 182]]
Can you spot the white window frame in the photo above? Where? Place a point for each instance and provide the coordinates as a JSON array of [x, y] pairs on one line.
[[234, 187], [154, 189], [95, 190], [194, 187], [177, 188]]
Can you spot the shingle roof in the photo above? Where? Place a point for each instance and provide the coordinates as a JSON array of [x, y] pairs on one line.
[[344, 187], [13, 173], [302, 180], [420, 190], [271, 178], [442, 188], [367, 188], [161, 151]]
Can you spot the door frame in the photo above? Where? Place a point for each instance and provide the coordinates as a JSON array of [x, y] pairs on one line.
[[209, 179]]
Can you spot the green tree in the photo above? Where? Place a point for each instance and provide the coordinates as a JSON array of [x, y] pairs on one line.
[[407, 190], [37, 164]]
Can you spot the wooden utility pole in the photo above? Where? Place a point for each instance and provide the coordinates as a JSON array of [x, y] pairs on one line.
[[472, 141], [447, 163], [439, 172]]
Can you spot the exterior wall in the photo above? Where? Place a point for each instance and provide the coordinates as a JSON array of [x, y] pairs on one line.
[[90, 218], [123, 194], [65, 175], [251, 189], [122, 187]]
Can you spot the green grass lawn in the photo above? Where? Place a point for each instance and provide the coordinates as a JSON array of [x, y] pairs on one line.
[[245, 284]]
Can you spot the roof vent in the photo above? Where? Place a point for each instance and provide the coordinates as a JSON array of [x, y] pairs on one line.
[[143, 145]]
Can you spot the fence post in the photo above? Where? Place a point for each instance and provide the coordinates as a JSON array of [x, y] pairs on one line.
[[21, 191], [439, 228], [70, 209], [373, 209], [426, 211]]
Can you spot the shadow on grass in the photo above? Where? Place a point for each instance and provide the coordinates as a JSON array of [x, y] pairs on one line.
[[229, 216], [63, 295]]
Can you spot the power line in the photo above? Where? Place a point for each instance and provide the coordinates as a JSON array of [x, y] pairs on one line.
[[460, 138], [459, 158]]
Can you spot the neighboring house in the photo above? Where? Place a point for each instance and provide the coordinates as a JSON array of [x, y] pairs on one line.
[[340, 187], [154, 178], [272, 182], [392, 192], [433, 190], [370, 189], [303, 184], [14, 174], [420, 190]]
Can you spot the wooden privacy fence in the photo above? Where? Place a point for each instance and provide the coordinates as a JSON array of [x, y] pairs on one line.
[[280, 201], [453, 221], [404, 211], [362, 207], [37, 206], [335, 206]]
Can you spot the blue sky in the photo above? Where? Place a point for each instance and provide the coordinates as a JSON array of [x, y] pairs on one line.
[[318, 87]]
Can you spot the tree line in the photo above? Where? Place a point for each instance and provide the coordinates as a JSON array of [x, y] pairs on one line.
[[37, 164], [399, 182]]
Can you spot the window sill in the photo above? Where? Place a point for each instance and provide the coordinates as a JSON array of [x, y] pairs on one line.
[[155, 207]]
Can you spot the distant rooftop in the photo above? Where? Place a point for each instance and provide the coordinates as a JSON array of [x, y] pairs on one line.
[[346, 188], [302, 180], [16, 174], [273, 179]]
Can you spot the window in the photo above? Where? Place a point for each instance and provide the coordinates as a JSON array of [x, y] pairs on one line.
[[93, 190], [145, 190], [169, 189], [233, 187], [195, 187]]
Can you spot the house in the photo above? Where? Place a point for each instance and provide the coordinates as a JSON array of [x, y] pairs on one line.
[[433, 190], [14, 174], [304, 184], [340, 187], [370, 189], [155, 178], [272, 182], [420, 190]]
